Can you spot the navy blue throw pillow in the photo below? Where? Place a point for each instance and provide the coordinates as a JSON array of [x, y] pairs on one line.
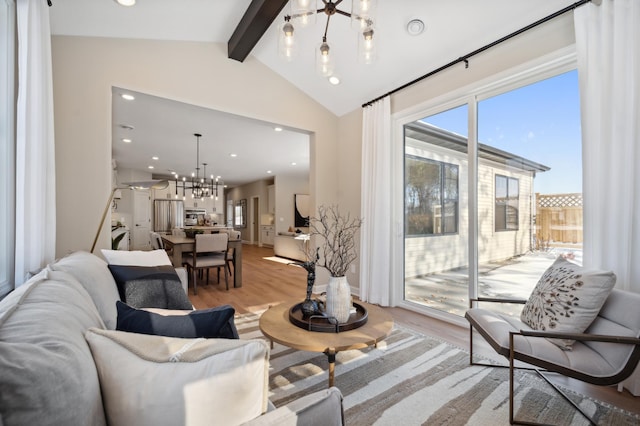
[[208, 323], [150, 287]]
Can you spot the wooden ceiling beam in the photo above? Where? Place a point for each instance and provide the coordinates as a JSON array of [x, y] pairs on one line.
[[256, 20]]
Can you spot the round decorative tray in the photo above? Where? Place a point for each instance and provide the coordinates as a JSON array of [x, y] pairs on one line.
[[326, 324]]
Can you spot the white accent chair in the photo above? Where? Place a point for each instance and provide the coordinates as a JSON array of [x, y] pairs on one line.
[[605, 354]]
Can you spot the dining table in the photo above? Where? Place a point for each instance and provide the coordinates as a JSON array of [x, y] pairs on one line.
[[179, 245]]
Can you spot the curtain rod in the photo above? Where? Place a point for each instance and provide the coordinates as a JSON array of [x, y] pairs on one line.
[[466, 57]]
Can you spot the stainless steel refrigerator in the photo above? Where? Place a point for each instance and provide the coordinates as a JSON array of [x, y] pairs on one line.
[[167, 214]]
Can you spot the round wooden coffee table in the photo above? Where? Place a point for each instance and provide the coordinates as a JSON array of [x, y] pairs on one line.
[[275, 324]]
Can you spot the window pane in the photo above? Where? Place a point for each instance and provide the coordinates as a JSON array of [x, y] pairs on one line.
[[436, 244], [506, 203], [450, 198], [530, 146], [422, 189], [513, 188]]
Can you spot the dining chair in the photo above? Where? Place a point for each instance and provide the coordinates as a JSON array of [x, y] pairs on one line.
[[230, 259], [210, 251], [156, 241]]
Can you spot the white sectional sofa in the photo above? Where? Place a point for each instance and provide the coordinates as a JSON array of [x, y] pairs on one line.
[[62, 363]]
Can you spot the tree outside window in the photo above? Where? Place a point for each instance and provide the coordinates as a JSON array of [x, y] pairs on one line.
[[431, 197]]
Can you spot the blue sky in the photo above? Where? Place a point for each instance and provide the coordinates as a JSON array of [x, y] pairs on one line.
[[540, 122]]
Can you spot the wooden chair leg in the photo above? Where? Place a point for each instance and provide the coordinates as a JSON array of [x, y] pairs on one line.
[[226, 277], [195, 281]]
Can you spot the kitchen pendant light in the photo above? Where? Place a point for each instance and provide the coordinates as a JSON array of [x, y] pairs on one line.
[[200, 187]]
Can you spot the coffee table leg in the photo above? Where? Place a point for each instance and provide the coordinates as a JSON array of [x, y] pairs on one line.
[[331, 356]]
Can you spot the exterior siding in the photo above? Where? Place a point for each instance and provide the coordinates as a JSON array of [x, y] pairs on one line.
[[430, 254]]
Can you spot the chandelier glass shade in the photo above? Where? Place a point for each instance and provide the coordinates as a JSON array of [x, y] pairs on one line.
[[200, 186], [287, 48], [303, 13]]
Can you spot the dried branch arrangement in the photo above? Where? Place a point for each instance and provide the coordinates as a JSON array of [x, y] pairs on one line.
[[338, 248]]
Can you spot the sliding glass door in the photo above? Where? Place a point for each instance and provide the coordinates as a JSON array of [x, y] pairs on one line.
[[526, 176], [436, 210]]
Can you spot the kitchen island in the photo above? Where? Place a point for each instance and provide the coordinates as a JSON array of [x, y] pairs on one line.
[[208, 229]]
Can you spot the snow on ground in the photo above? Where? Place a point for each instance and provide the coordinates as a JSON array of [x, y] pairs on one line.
[[514, 278]]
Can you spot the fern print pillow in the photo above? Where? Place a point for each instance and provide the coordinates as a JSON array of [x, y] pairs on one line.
[[567, 299]]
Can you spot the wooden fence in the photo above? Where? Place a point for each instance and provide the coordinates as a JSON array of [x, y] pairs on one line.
[[558, 218]]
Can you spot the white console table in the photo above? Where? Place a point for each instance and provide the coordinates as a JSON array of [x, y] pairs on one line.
[[290, 247]]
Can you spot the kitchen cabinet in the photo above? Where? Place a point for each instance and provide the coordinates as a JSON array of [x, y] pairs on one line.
[[267, 234], [167, 193], [210, 205]]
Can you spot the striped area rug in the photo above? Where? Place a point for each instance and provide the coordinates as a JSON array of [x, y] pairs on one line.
[[412, 379]]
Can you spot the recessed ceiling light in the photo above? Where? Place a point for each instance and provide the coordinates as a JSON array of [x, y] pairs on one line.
[[155, 158], [126, 140], [277, 129], [293, 163], [126, 2], [150, 167], [233, 155], [269, 172], [126, 126], [415, 27], [334, 80], [172, 172], [127, 97]]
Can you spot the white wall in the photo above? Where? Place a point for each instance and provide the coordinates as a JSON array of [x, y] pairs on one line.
[[85, 69]]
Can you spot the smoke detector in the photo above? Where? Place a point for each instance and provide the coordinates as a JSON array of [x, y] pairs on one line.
[[415, 27]]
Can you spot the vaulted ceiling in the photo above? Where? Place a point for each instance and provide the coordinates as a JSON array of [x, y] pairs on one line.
[[452, 29]]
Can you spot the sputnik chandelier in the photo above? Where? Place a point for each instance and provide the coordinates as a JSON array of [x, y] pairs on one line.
[[200, 187], [303, 13]]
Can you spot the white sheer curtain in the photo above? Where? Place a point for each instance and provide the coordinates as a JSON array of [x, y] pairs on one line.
[[608, 51], [35, 153], [376, 231]]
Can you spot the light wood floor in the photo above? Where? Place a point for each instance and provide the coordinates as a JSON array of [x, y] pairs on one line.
[[267, 281]]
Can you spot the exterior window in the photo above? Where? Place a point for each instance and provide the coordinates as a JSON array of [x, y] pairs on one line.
[[431, 197], [506, 211]]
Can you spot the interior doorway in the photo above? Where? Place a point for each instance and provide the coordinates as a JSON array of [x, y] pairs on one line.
[[141, 237], [255, 224]]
